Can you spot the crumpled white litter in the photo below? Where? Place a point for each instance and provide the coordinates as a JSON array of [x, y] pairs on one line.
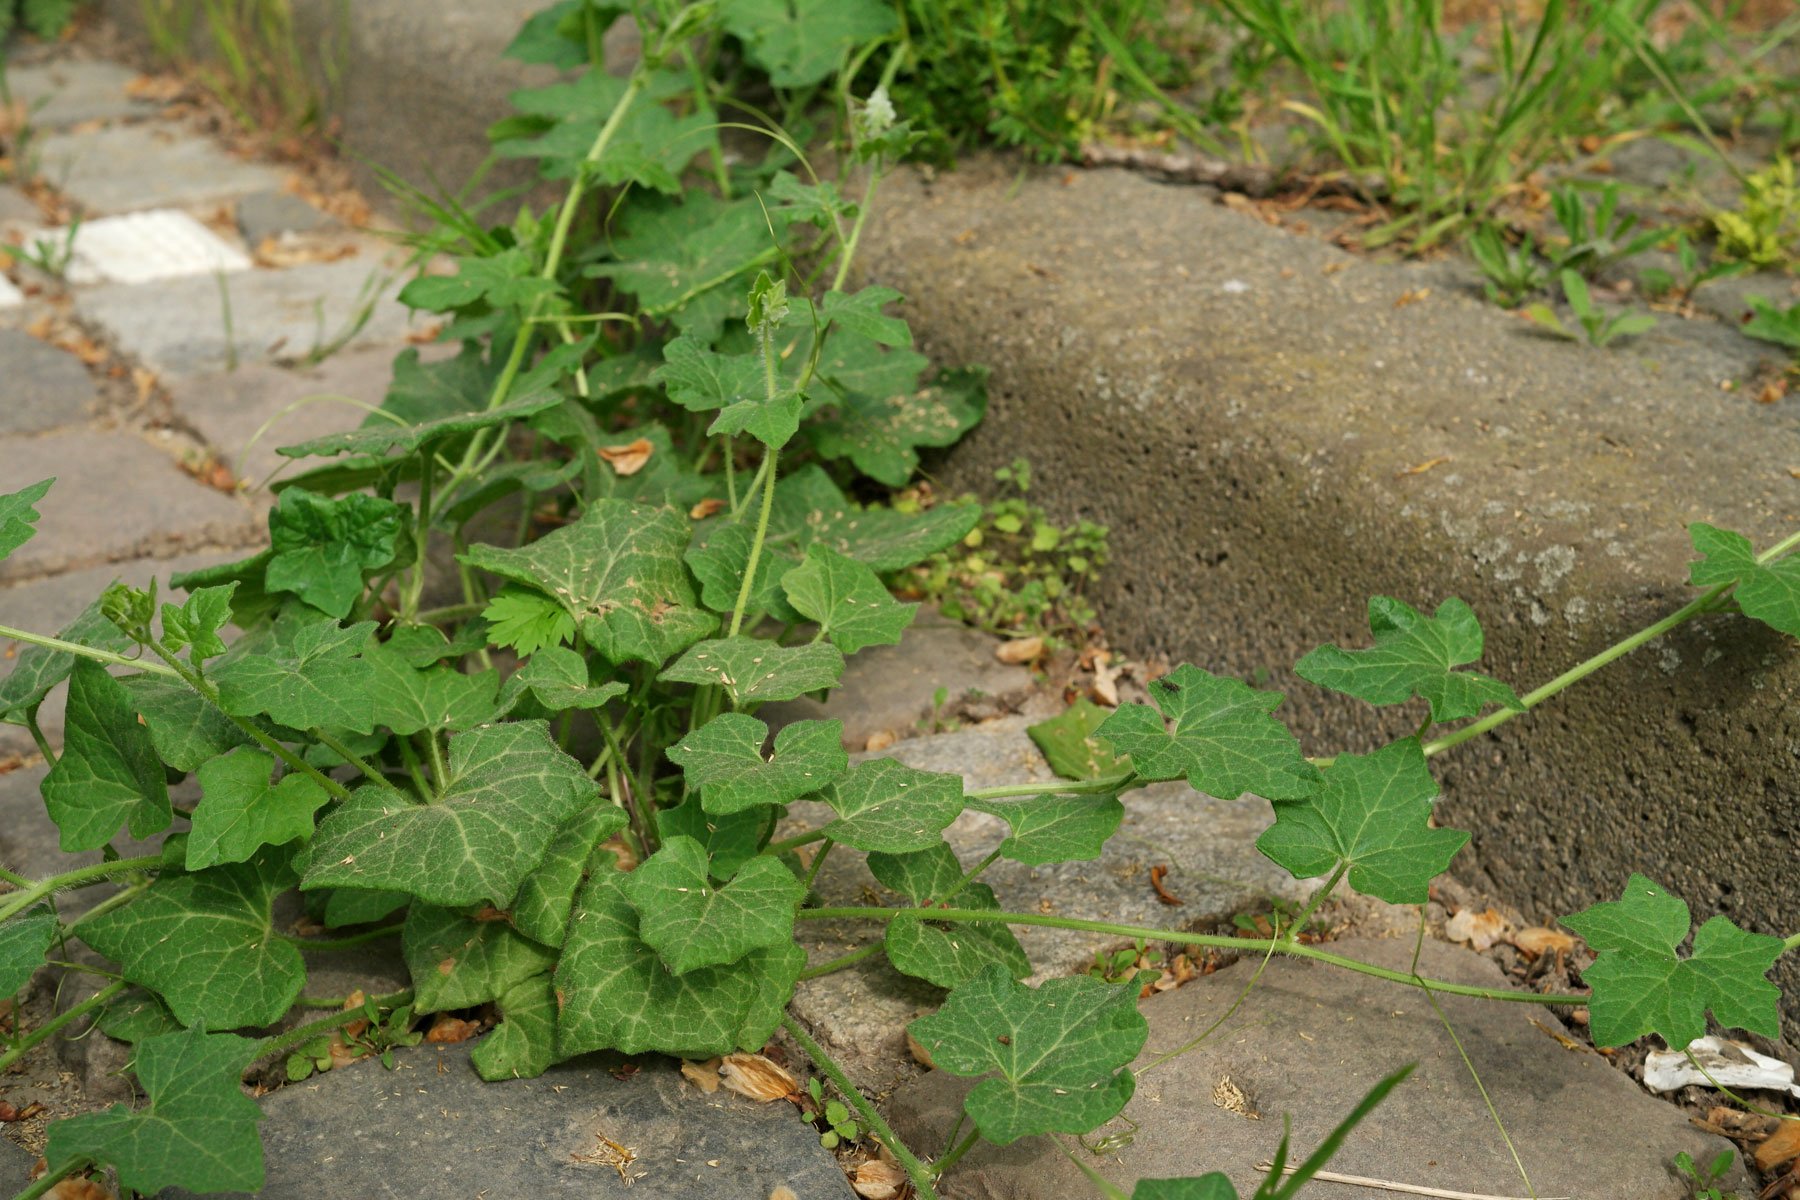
[[1730, 1063]]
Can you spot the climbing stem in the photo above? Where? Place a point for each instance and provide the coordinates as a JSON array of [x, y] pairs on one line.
[[1183, 937], [99, 999], [1060, 787], [18, 902], [834, 965], [973, 874], [917, 1171], [342, 943], [795, 842], [301, 1034], [1792, 943], [756, 543], [102, 656], [1706, 602], [1318, 898], [955, 1152], [44, 1186], [818, 863]]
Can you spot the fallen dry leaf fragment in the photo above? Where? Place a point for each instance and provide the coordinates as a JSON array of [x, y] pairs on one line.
[[1537, 941], [78, 1189], [703, 1075], [447, 1030], [1773, 391], [783, 1192], [357, 1028], [756, 1077], [9, 1114], [1157, 874], [1477, 929], [878, 1180], [1780, 1147], [1106, 680], [1412, 296], [706, 508], [628, 459], [1423, 467], [1020, 650], [919, 1054], [881, 739]]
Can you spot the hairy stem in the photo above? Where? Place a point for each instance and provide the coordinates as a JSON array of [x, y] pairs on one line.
[[1318, 898], [301, 1034], [917, 1171], [99, 999], [1184, 938], [1060, 787], [347, 942], [18, 902], [843, 961], [44, 1186], [101, 656], [957, 1151]]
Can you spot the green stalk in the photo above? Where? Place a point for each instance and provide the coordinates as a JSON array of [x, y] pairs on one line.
[[917, 1171], [970, 877], [1184, 938], [756, 543], [301, 1034], [1059, 787], [807, 839], [347, 942], [102, 656], [961, 1148], [1318, 898], [818, 862], [43, 1186], [1706, 602], [18, 902], [1792, 943], [99, 999], [843, 961]]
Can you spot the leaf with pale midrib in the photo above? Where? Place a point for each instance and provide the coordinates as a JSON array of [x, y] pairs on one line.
[[723, 761], [458, 962], [755, 670], [240, 811], [888, 806], [691, 923], [1413, 655], [108, 774]]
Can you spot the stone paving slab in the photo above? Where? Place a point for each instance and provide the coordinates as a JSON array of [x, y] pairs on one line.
[[180, 326], [124, 168], [1308, 1043], [273, 213], [46, 387], [1208, 846], [229, 408], [433, 1127], [74, 92], [116, 497], [48, 605], [1274, 435], [15, 1166], [140, 247]]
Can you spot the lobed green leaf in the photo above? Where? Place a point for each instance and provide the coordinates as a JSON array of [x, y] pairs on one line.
[[723, 761], [690, 923], [108, 774], [1413, 655]]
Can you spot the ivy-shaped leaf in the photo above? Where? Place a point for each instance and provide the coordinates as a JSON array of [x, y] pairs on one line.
[[558, 679], [1413, 655], [1373, 813], [718, 557], [880, 431], [861, 314], [381, 436], [771, 420], [197, 621], [309, 678], [689, 259], [810, 508], [701, 379], [505, 280], [690, 923], [1071, 745], [618, 572], [800, 42], [186, 728], [615, 994], [949, 954], [18, 519], [323, 546], [847, 600], [23, 942], [206, 943], [1060, 1051], [819, 204], [1214, 1185], [240, 811], [1642, 986], [888, 806], [541, 909], [1053, 829], [723, 761], [557, 125], [197, 1131], [731, 840], [523, 1045], [108, 774], [1770, 594], [408, 700], [922, 876], [360, 906], [754, 670], [509, 791], [1220, 736], [458, 962]]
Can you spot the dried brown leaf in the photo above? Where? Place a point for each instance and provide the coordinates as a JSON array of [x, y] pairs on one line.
[[703, 1075], [1537, 941], [881, 739], [706, 508], [1106, 680], [756, 1077], [878, 1180], [919, 1054], [1477, 929], [630, 458], [447, 1030], [1020, 650], [1780, 1147]]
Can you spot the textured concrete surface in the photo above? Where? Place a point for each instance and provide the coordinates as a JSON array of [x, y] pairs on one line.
[[124, 168], [1208, 845], [432, 1127], [15, 1166], [72, 92], [1273, 438], [1309, 1042], [188, 326], [45, 387], [270, 214]]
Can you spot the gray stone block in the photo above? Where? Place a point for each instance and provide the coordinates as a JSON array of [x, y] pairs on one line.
[[1272, 441], [72, 92], [17, 211], [1208, 846], [115, 497], [229, 408], [130, 167], [30, 842], [271, 214], [1308, 1043], [48, 605], [432, 1127], [45, 387], [15, 1166], [188, 326]]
